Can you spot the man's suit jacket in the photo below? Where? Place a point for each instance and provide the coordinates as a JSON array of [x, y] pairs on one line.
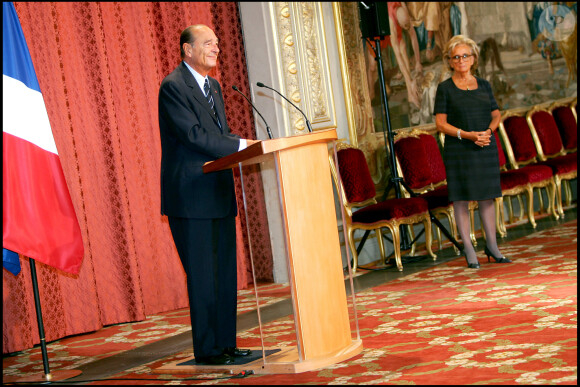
[[190, 137]]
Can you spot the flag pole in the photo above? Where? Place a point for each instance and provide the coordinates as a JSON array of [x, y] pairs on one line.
[[56, 375], [39, 320]]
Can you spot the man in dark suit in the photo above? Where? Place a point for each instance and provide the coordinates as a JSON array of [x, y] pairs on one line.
[[201, 208]]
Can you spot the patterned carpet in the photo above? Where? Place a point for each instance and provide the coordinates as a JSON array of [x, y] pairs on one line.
[[503, 324], [73, 352]]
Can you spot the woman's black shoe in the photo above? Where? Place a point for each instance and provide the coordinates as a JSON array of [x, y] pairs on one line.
[[471, 265], [497, 260]]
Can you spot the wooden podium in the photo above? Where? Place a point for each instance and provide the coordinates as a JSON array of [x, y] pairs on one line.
[[323, 329]]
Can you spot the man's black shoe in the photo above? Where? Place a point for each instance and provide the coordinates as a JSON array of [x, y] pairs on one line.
[[222, 359], [237, 352]]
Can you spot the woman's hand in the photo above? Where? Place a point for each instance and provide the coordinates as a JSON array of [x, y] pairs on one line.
[[482, 138]]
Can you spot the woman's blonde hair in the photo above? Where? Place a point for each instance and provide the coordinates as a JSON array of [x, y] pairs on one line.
[[456, 41]]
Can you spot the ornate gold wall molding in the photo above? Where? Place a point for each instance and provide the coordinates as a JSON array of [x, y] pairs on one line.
[[305, 73]]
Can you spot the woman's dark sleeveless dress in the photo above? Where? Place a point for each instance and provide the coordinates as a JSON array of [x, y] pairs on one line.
[[472, 171]]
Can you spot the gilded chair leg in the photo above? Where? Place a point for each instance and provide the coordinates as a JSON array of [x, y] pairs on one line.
[[511, 209], [503, 226], [521, 203], [428, 236], [499, 217], [503, 223], [412, 233], [453, 226], [541, 201], [559, 196], [397, 245], [566, 184], [552, 199], [530, 199], [352, 249], [566, 190], [472, 226], [381, 244]]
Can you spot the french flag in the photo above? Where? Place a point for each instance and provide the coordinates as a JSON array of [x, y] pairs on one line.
[[39, 220]]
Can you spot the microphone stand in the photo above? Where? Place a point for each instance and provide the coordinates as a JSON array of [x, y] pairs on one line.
[[252, 105], [387, 134], [260, 84], [395, 179]]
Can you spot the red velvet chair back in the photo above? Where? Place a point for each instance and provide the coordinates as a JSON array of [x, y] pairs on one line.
[[520, 138], [414, 161], [567, 126], [434, 158], [354, 173], [547, 130]]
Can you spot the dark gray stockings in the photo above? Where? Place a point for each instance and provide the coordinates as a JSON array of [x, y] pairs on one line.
[[461, 210], [487, 214]]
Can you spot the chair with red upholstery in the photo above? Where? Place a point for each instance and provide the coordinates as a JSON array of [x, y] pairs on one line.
[[565, 116], [362, 211], [420, 164], [516, 182], [551, 151], [522, 155]]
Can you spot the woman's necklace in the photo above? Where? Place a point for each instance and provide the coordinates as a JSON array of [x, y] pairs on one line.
[[465, 82]]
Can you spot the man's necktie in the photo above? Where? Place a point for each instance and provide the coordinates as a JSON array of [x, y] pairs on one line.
[[208, 95], [207, 91]]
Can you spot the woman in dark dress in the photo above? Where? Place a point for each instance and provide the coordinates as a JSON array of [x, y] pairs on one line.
[[467, 113]]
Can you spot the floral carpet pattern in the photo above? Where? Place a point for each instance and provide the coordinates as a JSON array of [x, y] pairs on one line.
[[502, 324], [73, 352]]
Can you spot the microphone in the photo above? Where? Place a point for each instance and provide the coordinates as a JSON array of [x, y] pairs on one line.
[[260, 84], [250, 102]]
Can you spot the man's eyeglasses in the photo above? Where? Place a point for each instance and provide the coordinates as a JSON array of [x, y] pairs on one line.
[[457, 58]]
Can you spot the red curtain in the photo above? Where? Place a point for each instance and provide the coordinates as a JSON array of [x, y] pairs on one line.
[[99, 66], [233, 71]]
